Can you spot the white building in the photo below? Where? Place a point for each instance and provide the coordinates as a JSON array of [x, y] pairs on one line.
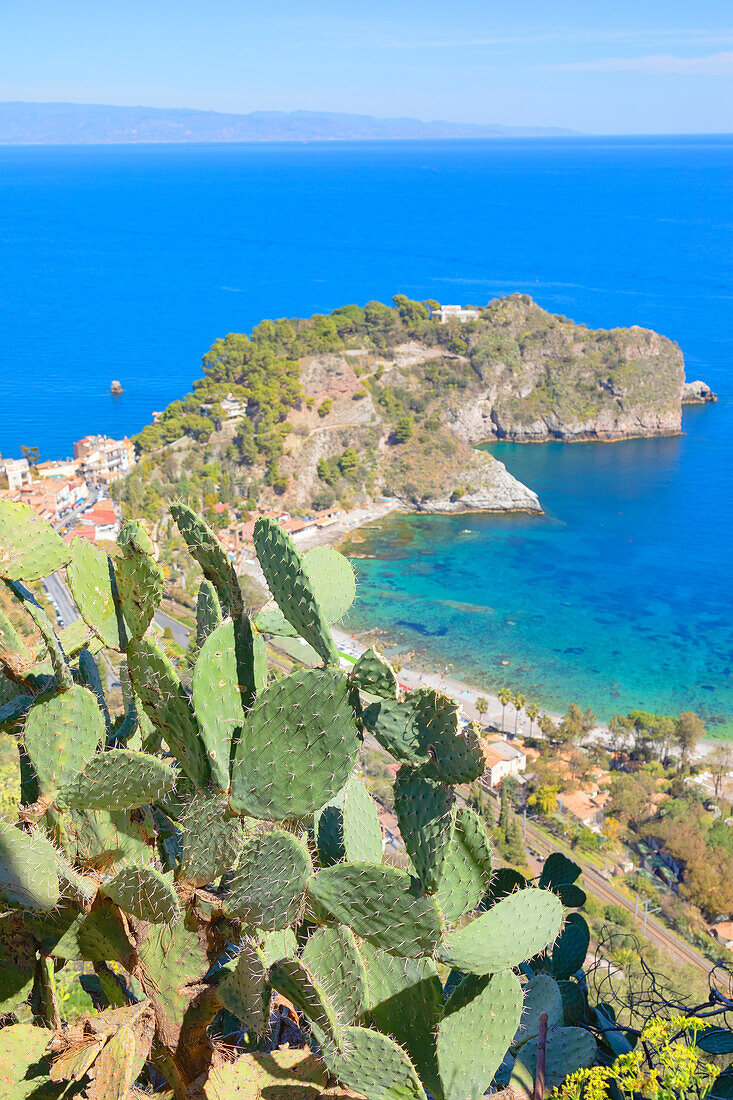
[[14, 473], [454, 313], [503, 760]]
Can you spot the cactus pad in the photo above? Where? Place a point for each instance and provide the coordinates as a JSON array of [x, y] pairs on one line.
[[512, 931], [244, 992], [424, 813], [290, 585], [348, 827], [570, 948], [299, 744], [144, 893], [374, 1066], [568, 1050], [61, 734], [374, 674], [118, 780], [208, 611], [168, 707], [23, 1069], [467, 866], [217, 700], [268, 885], [393, 725], [455, 755], [541, 994], [94, 588], [292, 979], [381, 904], [406, 1003], [487, 1009], [29, 547], [332, 957], [28, 878], [140, 589], [211, 841], [205, 547]]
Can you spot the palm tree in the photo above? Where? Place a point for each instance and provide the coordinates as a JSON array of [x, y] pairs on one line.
[[519, 701], [504, 696], [482, 706], [533, 712]]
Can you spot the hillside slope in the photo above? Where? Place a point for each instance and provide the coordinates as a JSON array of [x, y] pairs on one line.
[[386, 401]]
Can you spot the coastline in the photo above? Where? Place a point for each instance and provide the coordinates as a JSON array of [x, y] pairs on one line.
[[418, 673]]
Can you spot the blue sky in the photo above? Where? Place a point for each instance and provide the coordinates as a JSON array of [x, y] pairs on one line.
[[601, 66]]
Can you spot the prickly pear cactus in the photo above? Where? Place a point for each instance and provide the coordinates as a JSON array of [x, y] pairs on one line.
[[210, 862]]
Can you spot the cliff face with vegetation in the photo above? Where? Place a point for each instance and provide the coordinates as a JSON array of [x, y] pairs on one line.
[[385, 401]]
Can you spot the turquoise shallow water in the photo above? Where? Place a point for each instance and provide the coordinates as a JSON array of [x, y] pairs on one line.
[[608, 600]]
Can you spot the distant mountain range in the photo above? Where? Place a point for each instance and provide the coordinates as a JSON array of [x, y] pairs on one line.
[[91, 123]]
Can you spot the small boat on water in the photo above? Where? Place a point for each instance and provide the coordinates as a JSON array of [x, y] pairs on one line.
[[116, 387], [466, 531]]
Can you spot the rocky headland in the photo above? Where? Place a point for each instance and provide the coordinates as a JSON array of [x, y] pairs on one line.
[[388, 402]]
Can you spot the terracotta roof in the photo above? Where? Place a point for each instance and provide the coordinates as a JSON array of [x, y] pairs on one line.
[[88, 532]]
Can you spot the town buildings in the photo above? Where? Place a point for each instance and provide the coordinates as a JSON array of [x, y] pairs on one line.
[[102, 460], [14, 473]]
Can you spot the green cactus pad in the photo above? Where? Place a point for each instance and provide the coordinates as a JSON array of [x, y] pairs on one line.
[[485, 1010], [94, 588], [168, 707], [504, 881], [406, 1003], [59, 663], [331, 955], [29, 547], [140, 589], [100, 838], [333, 580], [570, 948], [393, 724], [173, 958], [568, 1049], [270, 620], [467, 866], [267, 888], [205, 547], [292, 979], [380, 904], [118, 780], [558, 870], [28, 878], [23, 1069], [424, 812], [573, 1002], [299, 744], [512, 931], [17, 965], [374, 674], [211, 839], [277, 945], [348, 827], [541, 995], [245, 992], [61, 734], [455, 755], [217, 700], [291, 586], [208, 611], [77, 636], [374, 1066], [89, 677], [144, 893]]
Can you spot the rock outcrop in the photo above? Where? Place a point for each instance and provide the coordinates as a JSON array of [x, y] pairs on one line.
[[697, 393]]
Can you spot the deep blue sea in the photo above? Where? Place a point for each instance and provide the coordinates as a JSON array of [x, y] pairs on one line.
[[128, 261]]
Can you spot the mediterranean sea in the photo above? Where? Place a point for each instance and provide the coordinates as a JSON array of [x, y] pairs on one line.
[[128, 261]]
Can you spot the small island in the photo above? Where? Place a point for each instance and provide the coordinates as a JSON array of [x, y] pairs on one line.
[[391, 402]]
